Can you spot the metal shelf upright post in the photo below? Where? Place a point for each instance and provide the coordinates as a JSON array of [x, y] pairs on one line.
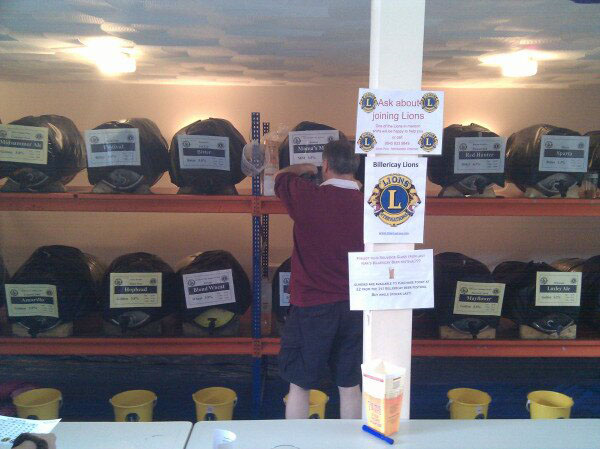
[[256, 282]]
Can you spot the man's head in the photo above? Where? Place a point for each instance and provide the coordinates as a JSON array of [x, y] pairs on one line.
[[339, 160]]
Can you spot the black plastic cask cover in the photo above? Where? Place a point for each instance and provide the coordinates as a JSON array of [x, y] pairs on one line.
[[76, 275], [140, 263], [440, 169], [590, 288], [213, 261], [594, 162], [284, 148], [450, 268], [279, 310], [66, 154], [207, 181], [519, 297], [523, 157], [154, 156]]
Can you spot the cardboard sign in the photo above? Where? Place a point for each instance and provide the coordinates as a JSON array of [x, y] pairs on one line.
[[306, 147], [135, 290], [24, 144], [209, 288], [31, 300], [394, 209], [479, 155], [391, 280], [399, 122], [203, 152], [558, 289], [564, 153], [478, 298], [112, 147]]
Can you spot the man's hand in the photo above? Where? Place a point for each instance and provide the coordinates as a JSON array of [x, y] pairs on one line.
[[299, 169]]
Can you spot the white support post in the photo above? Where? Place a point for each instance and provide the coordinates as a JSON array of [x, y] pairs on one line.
[[396, 63]]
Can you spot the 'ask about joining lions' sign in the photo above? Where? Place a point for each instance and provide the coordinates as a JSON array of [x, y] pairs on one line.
[[395, 199], [399, 122]]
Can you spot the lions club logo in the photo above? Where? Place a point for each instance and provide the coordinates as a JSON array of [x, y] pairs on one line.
[[394, 199], [430, 102], [367, 141], [368, 102], [428, 142]]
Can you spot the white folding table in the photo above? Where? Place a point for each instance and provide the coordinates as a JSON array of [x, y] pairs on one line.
[[116, 435], [413, 434]]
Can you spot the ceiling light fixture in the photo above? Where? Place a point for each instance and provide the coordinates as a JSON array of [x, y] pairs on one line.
[[110, 57], [518, 64]]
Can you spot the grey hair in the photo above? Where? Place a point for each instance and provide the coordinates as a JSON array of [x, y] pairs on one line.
[[341, 158]]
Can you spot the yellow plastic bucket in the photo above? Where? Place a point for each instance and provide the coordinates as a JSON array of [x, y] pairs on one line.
[[467, 403], [317, 400], [41, 403], [549, 405], [214, 404], [133, 406]]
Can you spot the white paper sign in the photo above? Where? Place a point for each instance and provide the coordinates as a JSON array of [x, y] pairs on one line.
[[479, 154], [306, 147], [558, 289], [564, 153], [24, 144], [135, 290], [209, 288], [391, 280], [110, 147], [394, 209], [399, 122], [205, 152], [31, 300], [11, 428], [478, 298], [284, 288]]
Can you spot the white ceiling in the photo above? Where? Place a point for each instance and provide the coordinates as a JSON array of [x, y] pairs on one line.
[[291, 42]]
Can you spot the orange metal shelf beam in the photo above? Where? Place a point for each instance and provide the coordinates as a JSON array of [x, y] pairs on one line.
[[125, 346], [488, 348], [84, 202], [488, 207]]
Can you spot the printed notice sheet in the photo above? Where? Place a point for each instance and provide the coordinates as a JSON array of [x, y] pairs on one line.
[[391, 280], [399, 122]]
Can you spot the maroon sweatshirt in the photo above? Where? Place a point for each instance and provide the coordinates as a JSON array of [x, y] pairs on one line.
[[328, 224]]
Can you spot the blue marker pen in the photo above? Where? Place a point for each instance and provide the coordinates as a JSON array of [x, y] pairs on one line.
[[381, 436]]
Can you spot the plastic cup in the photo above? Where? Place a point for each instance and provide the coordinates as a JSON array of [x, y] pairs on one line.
[[549, 405], [467, 403], [134, 405], [214, 404], [41, 403]]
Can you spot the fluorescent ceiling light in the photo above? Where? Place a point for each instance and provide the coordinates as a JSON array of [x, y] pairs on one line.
[[111, 55], [525, 62]]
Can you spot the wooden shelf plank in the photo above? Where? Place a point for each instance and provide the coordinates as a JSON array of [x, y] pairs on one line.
[[78, 201]]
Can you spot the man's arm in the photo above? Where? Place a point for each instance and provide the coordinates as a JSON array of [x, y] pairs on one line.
[[299, 169]]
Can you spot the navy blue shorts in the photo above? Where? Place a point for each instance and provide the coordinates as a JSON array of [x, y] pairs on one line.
[[322, 340]]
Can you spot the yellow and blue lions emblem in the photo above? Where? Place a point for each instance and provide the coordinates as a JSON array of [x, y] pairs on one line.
[[394, 199], [430, 102], [368, 102], [428, 142], [367, 141]]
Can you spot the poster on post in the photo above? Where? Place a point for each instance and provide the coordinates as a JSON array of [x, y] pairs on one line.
[[394, 210], [399, 122], [387, 280]]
